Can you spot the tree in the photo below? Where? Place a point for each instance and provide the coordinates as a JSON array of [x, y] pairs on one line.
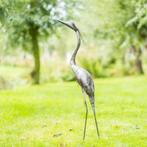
[[1, 15], [138, 25], [126, 29], [30, 21]]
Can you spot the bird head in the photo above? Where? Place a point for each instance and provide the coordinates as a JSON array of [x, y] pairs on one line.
[[70, 25]]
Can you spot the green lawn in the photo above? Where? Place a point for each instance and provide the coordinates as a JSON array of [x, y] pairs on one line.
[[52, 115]]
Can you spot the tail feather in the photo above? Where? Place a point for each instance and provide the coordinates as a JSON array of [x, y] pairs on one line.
[[92, 102]]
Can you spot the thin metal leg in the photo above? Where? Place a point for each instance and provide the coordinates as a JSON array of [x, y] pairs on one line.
[[96, 122], [86, 113]]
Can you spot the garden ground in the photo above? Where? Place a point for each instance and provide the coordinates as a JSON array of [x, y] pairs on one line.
[[52, 115]]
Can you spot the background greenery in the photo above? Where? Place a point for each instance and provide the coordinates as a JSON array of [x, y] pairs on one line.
[[35, 49], [114, 38]]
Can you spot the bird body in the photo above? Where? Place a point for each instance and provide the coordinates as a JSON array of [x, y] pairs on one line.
[[83, 77]]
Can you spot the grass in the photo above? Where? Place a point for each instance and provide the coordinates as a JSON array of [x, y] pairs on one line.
[[52, 115]]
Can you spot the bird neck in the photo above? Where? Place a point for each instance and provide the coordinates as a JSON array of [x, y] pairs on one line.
[[72, 60]]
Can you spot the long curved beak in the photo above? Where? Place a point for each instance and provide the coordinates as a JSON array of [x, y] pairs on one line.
[[67, 24]]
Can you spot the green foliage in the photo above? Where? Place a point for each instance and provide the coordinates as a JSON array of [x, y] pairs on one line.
[[40, 14], [124, 27], [93, 66], [29, 14], [108, 33], [1, 15], [30, 21], [12, 76], [68, 75], [139, 20]]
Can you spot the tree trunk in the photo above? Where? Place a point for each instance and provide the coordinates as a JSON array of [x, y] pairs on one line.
[[36, 53], [138, 60]]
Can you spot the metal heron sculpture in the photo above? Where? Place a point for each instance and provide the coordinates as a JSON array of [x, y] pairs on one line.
[[83, 77]]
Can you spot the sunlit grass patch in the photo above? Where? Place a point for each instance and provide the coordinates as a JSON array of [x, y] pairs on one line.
[[53, 115]]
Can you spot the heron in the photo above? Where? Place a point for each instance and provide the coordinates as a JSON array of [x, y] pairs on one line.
[[83, 78]]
